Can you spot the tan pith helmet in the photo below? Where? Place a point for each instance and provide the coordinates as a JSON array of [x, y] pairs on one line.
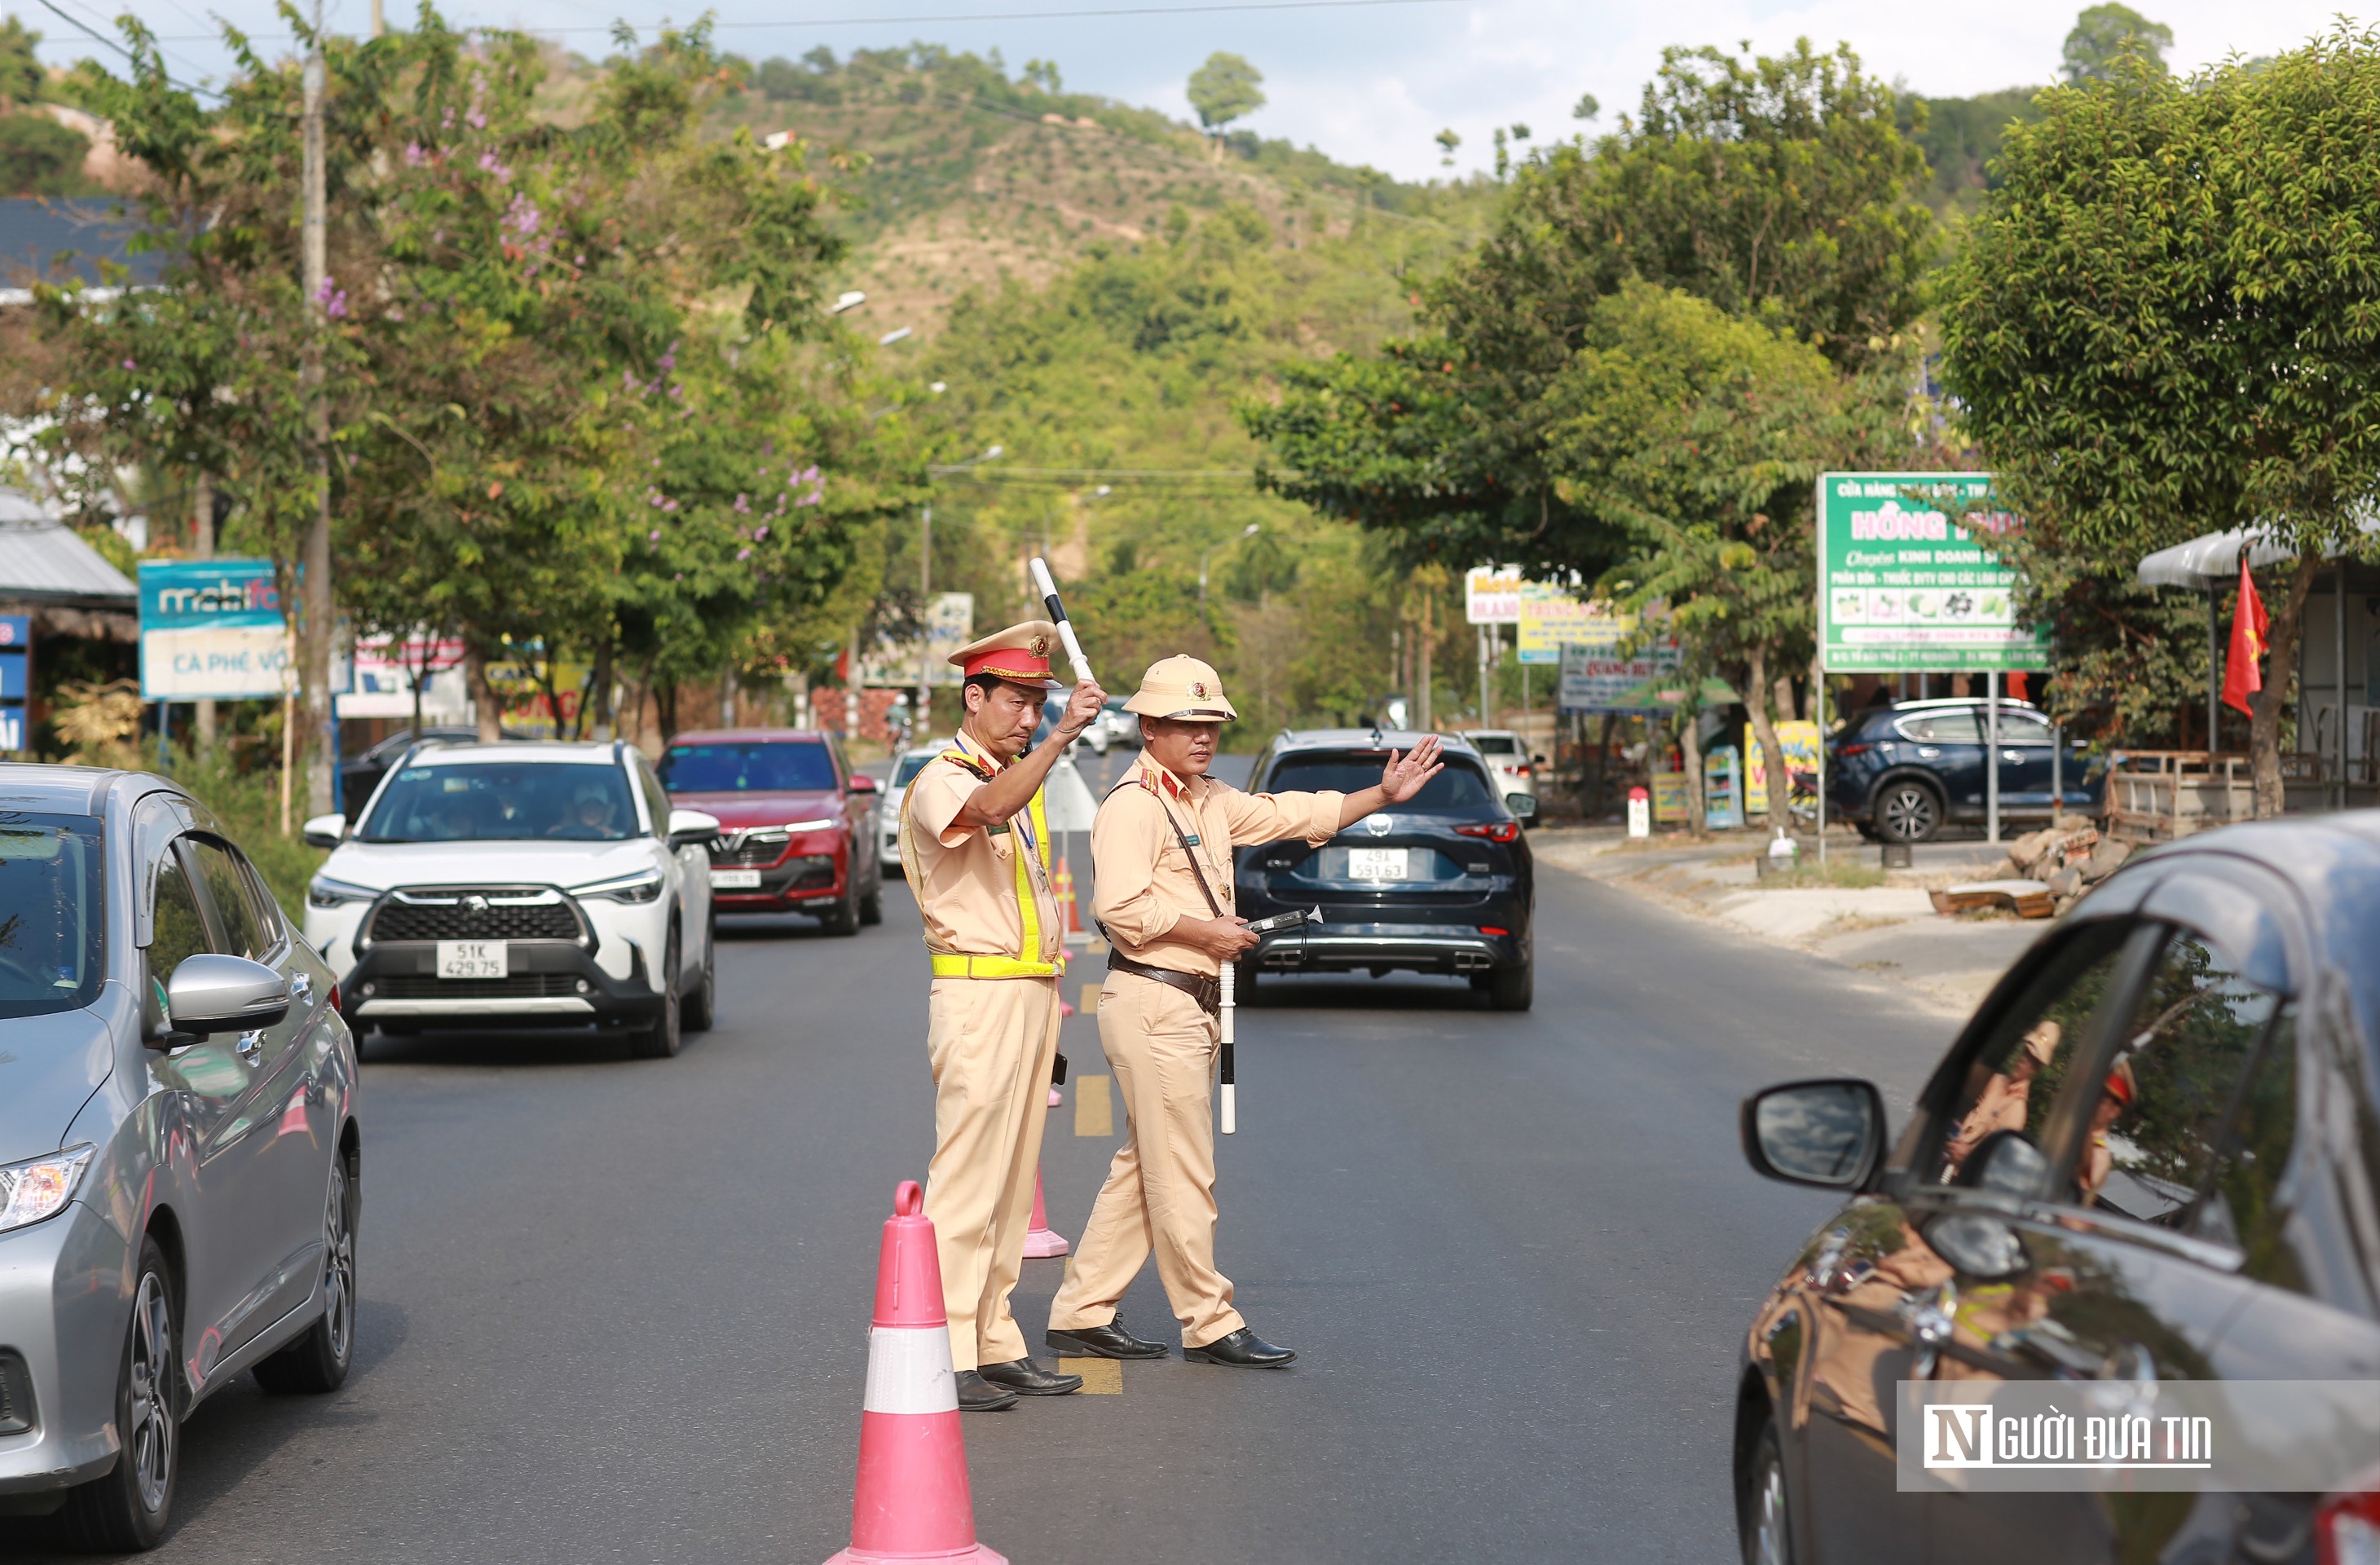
[[1182, 686]]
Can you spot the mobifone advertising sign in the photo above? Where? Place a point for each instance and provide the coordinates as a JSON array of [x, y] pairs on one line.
[[2215, 1437], [211, 628]]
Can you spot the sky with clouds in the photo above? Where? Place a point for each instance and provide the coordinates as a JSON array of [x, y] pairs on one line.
[[1368, 84]]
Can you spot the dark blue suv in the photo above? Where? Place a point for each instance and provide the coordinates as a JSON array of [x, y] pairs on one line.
[[1899, 772], [1442, 883]]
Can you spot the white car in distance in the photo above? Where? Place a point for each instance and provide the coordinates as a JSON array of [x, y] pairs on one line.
[[888, 818], [1513, 766], [545, 885]]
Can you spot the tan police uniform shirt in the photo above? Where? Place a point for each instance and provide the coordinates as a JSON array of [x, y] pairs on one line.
[[1145, 884], [965, 875]]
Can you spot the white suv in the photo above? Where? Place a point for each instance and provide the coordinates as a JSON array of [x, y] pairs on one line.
[[524, 884], [1507, 754]]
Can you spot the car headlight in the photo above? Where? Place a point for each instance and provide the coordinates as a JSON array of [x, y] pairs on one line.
[[31, 1190], [323, 891], [645, 885], [795, 828]]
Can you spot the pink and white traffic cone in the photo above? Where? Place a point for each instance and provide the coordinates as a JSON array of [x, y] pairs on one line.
[[1042, 1241], [912, 1501]]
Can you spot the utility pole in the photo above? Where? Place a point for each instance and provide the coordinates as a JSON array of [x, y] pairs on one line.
[[317, 643], [202, 547], [380, 22], [925, 709]]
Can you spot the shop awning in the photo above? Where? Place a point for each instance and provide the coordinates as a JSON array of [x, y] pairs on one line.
[[2212, 560], [43, 561]]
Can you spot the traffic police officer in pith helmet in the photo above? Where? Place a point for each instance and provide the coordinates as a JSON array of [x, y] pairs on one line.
[[1161, 850], [978, 852]]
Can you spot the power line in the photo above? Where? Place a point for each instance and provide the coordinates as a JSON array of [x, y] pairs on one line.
[[962, 17]]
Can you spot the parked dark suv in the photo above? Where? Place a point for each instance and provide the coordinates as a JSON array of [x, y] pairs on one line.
[[2148, 1158], [799, 825], [1900, 772], [1442, 883]]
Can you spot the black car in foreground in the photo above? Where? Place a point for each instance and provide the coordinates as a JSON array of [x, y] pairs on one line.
[[2150, 1157], [1442, 883], [1901, 773]]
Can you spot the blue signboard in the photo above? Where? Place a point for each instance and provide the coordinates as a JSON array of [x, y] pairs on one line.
[[212, 628], [16, 677]]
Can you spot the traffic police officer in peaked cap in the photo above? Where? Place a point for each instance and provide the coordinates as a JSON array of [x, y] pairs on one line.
[[973, 839], [1161, 850]]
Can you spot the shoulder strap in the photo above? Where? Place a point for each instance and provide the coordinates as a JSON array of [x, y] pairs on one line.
[[1192, 855]]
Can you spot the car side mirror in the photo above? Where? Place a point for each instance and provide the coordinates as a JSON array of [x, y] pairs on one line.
[[214, 993], [326, 830], [1522, 805], [691, 826], [862, 783], [1827, 1132]]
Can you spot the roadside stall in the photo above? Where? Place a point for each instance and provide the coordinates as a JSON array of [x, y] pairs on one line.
[[65, 614]]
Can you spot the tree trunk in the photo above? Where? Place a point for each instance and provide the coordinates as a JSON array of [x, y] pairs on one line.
[[727, 693], [1690, 740], [2280, 672], [483, 696], [1758, 686], [666, 707], [1425, 720], [604, 723], [1602, 767]]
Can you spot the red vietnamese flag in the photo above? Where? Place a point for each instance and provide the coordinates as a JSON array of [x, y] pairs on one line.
[[2241, 677]]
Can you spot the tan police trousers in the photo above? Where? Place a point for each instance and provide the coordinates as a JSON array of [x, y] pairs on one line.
[[1160, 1197], [991, 1042]]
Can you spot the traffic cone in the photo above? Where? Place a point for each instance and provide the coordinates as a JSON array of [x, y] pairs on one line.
[[911, 1501], [1041, 1243], [1065, 886]]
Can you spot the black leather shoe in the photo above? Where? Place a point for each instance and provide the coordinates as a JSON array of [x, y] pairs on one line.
[[1244, 1349], [1110, 1340], [1026, 1378], [978, 1395]]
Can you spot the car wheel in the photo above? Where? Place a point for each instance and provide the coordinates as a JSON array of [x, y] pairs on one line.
[[1908, 812], [1512, 988], [1762, 1523], [666, 1035], [871, 907], [842, 918], [701, 1007], [317, 1361], [126, 1511]]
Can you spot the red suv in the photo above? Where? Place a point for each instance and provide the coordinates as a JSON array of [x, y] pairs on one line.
[[798, 824]]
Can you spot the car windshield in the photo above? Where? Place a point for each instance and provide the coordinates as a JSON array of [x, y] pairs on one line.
[[910, 766], [1495, 743], [1459, 786], [503, 801], [51, 933], [763, 766]]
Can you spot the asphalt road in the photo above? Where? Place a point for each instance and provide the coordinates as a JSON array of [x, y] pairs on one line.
[[617, 1310]]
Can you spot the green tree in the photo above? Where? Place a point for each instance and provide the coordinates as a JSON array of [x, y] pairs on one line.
[[2164, 322], [1226, 88], [2104, 35], [21, 77], [1779, 189], [1697, 438], [39, 157]]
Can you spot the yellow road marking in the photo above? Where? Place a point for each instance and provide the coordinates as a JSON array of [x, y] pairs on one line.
[[1090, 1002], [1101, 1377], [1094, 1114]]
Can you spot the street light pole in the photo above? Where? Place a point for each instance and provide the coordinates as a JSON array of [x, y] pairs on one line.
[[319, 641], [925, 607], [1207, 553]]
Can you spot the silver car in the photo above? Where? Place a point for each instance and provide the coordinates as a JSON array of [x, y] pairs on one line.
[[179, 1150]]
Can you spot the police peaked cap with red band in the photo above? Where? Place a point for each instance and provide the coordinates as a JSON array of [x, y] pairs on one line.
[[1019, 654]]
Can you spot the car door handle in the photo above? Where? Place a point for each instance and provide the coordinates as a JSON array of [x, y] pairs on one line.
[[301, 985], [250, 1046], [1927, 752]]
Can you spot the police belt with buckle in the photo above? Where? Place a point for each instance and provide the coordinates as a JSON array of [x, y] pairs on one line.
[[1207, 992]]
